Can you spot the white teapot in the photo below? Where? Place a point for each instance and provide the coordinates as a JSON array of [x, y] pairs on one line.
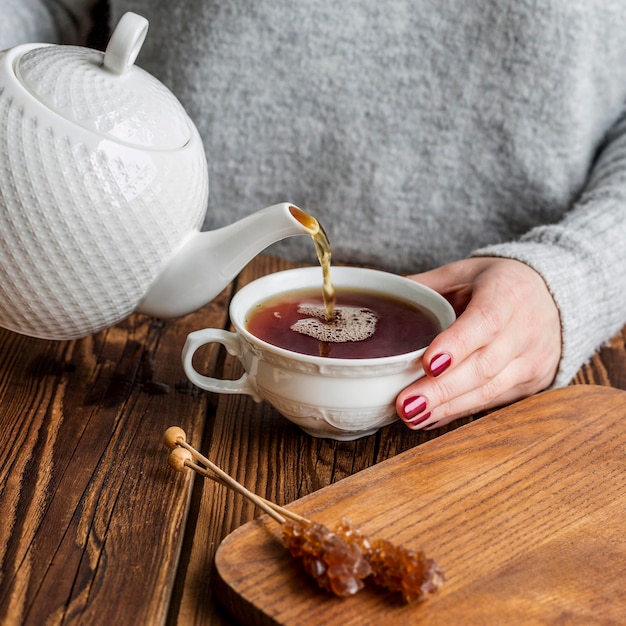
[[103, 189]]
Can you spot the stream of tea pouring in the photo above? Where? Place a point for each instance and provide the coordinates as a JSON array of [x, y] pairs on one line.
[[332, 323], [324, 254]]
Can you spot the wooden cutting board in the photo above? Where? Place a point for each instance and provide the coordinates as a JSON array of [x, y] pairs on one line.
[[524, 510]]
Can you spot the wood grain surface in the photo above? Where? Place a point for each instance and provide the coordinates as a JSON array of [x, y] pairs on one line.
[[524, 511], [95, 527], [92, 518]]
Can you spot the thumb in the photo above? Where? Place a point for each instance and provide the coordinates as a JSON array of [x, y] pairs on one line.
[[448, 280]]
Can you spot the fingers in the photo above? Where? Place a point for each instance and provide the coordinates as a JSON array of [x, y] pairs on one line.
[[440, 409], [488, 314], [482, 303], [504, 345], [478, 326], [489, 378]]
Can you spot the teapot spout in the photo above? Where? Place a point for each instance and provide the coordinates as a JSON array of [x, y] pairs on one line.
[[208, 261]]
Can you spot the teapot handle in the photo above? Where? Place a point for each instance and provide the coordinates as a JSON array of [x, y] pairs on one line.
[[125, 42]]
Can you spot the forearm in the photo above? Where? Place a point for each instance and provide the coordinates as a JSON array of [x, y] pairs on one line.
[[582, 259]]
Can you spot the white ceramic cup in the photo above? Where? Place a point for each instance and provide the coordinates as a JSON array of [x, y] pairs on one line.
[[335, 398]]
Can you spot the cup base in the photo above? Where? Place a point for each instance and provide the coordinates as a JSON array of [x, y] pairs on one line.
[[340, 436]]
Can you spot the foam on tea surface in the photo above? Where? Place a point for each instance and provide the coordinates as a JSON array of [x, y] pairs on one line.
[[349, 323], [371, 324]]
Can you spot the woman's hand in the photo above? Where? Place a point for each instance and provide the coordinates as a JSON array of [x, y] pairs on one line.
[[505, 344]]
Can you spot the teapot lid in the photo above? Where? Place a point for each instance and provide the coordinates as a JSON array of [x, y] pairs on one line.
[[105, 93]]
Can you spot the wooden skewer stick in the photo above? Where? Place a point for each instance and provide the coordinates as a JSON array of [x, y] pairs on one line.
[[206, 473], [183, 455]]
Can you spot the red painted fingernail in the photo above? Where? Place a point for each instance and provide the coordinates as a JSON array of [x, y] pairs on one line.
[[440, 363], [418, 420], [413, 406]]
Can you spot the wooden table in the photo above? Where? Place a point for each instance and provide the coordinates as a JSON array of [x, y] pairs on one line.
[[95, 528]]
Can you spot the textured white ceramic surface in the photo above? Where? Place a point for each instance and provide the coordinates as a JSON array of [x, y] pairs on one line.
[[132, 108], [102, 178], [340, 399]]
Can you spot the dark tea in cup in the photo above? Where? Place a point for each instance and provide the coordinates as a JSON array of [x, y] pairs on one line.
[[365, 324]]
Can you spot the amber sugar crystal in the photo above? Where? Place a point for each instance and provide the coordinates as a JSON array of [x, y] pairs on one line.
[[340, 560]]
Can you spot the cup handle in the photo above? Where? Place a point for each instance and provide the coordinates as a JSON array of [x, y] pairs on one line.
[[232, 343]]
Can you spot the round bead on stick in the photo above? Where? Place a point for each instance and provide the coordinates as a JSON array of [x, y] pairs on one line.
[[178, 459], [173, 435]]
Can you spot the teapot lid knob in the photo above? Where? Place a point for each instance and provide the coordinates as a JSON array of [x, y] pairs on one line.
[[125, 42]]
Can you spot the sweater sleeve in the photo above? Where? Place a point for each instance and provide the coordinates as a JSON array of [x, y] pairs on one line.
[[583, 258], [44, 21]]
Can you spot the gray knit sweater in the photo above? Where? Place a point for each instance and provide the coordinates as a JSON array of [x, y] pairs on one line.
[[417, 131]]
